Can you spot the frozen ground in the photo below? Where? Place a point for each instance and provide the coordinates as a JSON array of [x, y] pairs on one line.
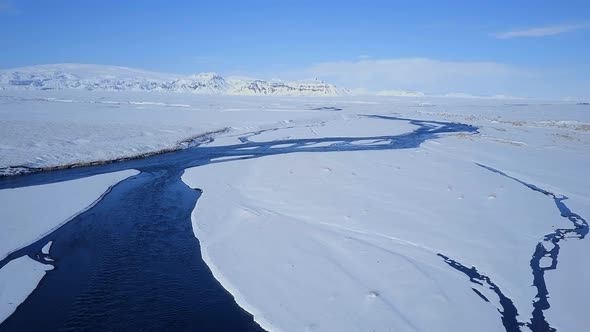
[[355, 240], [29, 213], [47, 129], [355, 236]]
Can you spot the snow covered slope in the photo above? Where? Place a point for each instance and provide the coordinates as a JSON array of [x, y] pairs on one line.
[[302, 88], [112, 78]]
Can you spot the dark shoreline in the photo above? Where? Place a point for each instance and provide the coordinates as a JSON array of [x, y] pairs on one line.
[[181, 145]]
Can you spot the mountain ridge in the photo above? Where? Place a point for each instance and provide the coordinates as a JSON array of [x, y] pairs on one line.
[[116, 78]]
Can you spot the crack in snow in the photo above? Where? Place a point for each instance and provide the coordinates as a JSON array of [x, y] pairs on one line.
[[547, 248]]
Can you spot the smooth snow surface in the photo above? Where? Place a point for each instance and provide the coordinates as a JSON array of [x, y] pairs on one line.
[[349, 241], [18, 279], [28, 213]]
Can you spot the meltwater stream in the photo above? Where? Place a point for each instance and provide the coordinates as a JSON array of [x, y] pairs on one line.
[[548, 248], [132, 262]]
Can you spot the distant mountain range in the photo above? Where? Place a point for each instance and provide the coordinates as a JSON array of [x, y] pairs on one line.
[[112, 78]]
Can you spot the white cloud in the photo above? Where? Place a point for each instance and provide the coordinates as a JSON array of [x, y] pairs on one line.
[[400, 93], [414, 76], [551, 30]]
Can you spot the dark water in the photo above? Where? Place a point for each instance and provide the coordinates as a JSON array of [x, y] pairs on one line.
[[132, 262], [548, 247]]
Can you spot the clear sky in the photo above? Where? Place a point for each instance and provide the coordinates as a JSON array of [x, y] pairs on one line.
[[524, 48]]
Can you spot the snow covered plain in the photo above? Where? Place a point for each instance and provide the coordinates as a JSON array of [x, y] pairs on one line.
[[27, 214], [42, 129], [356, 236], [351, 240]]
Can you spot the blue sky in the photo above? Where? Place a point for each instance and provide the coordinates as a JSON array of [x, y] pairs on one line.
[[525, 48]]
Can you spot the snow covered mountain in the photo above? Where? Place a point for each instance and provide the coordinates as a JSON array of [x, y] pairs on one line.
[[112, 78], [299, 88]]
